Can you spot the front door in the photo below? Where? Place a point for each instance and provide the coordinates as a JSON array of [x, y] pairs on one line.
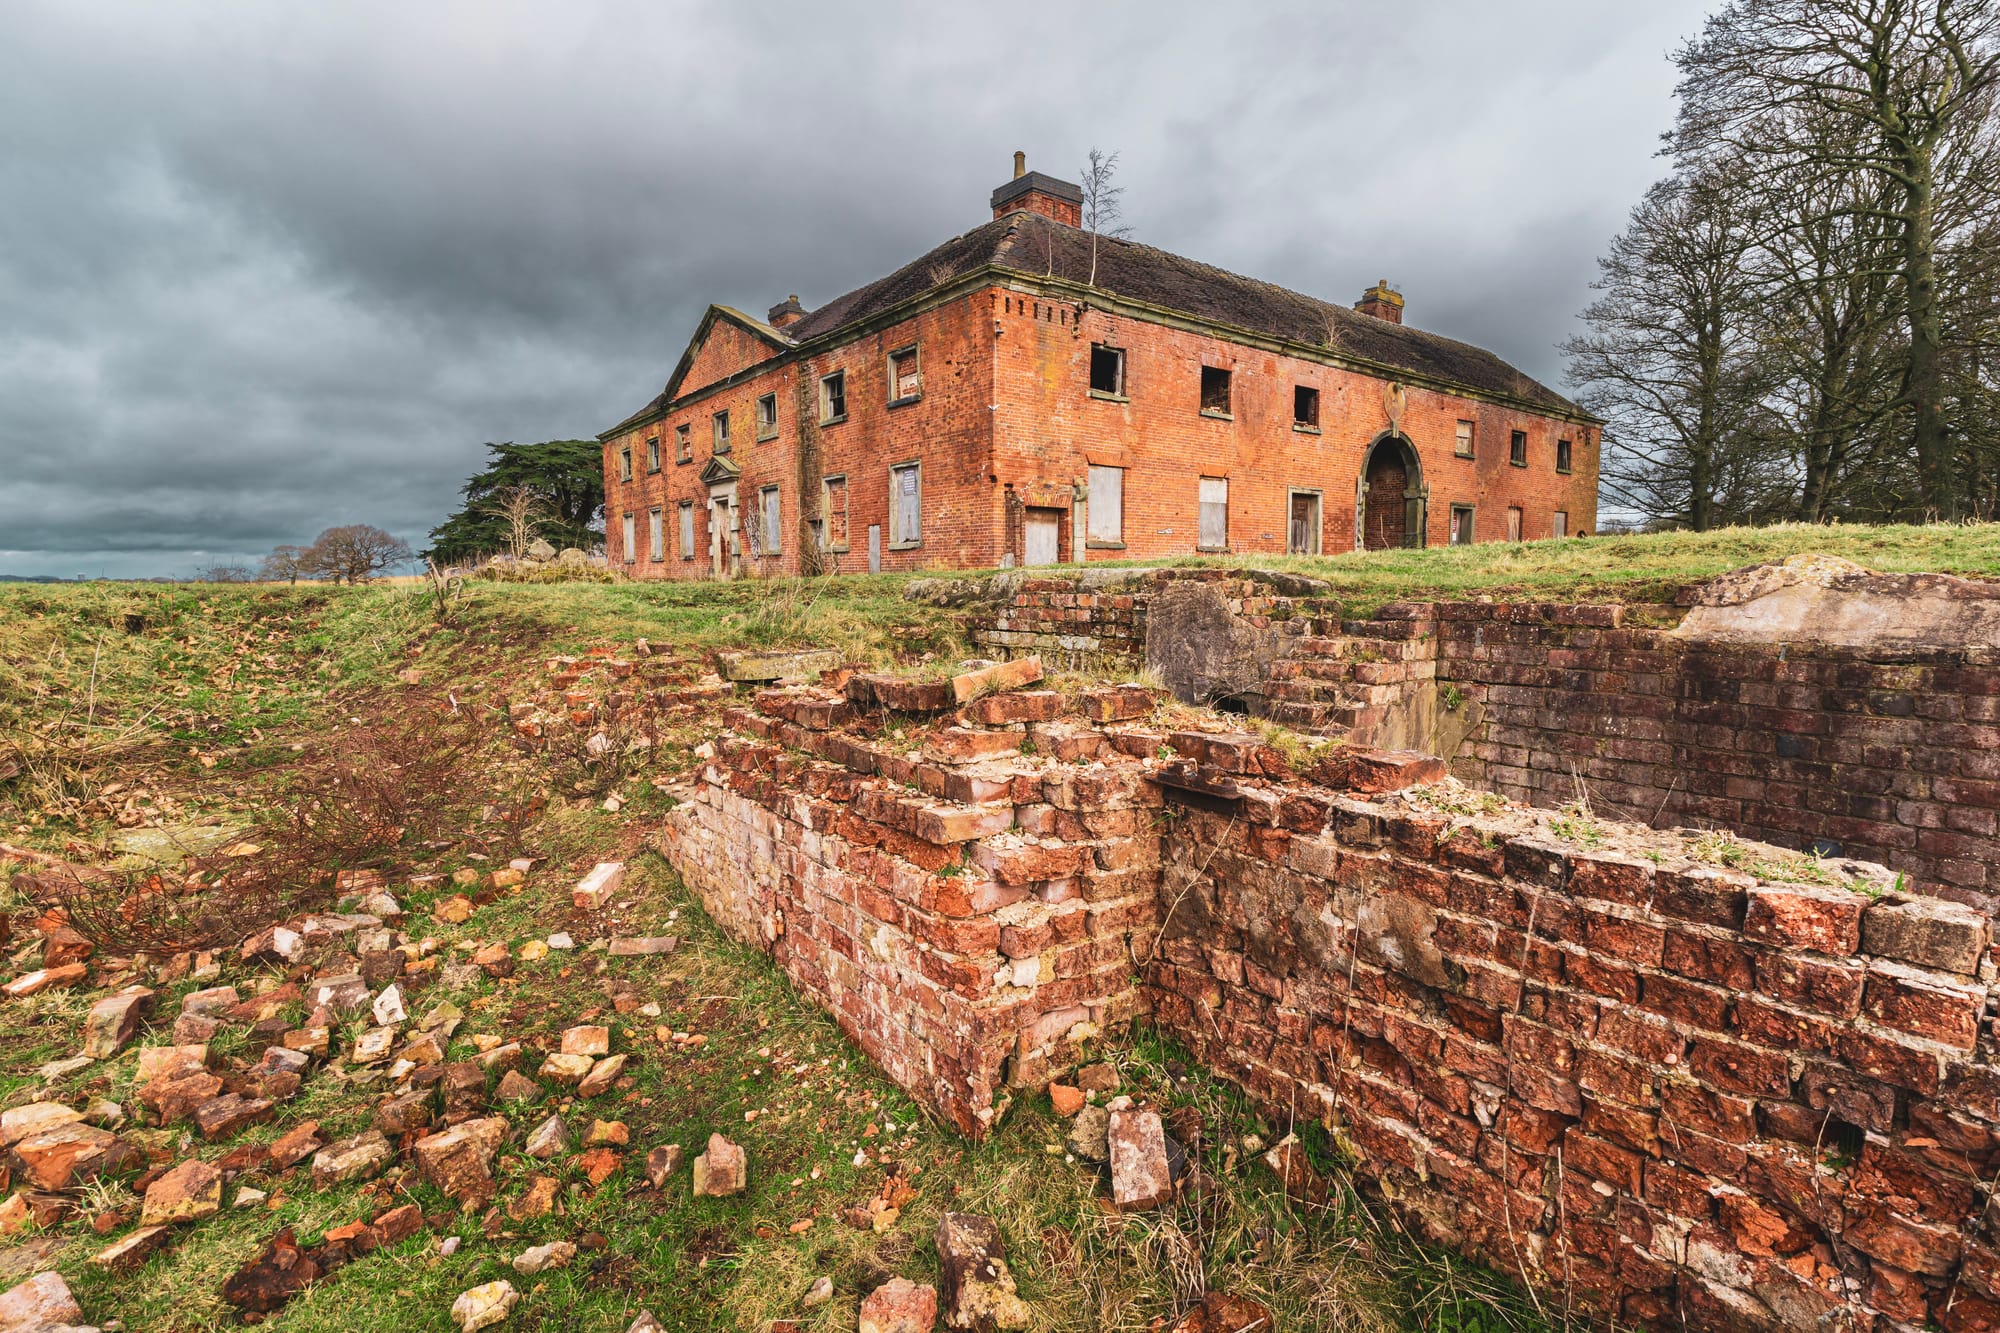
[[1384, 513], [720, 504], [1302, 537], [1041, 546]]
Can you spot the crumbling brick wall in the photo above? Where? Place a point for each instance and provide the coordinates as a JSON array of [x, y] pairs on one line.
[[1678, 1092], [967, 911]]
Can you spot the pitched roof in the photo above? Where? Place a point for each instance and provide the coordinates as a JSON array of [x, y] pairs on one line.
[[1038, 246]]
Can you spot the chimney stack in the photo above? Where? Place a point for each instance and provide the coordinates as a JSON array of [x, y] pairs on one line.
[[1382, 301], [1031, 190], [787, 312]]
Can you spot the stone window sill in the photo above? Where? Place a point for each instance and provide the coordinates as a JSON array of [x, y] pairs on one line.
[[1104, 397], [1303, 429], [905, 402], [1103, 546], [1218, 416]]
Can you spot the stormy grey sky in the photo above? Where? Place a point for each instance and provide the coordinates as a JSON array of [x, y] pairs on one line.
[[265, 268]]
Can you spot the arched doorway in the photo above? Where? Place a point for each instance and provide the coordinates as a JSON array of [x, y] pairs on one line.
[[1389, 508]]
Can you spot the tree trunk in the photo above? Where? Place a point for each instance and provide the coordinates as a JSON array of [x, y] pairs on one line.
[[1926, 383]]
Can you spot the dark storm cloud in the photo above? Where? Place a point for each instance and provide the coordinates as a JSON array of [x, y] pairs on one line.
[[268, 268]]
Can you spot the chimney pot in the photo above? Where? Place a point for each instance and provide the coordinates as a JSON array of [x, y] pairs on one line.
[[1034, 192], [1020, 164]]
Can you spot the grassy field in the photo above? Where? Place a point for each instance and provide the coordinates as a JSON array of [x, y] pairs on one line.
[[129, 710]]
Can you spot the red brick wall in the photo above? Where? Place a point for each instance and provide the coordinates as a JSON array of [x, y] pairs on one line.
[[1676, 1094], [1049, 429], [946, 428]]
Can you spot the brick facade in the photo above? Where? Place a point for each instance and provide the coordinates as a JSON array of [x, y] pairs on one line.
[[1006, 427]]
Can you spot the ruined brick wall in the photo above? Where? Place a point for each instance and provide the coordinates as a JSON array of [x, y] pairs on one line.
[[1893, 754], [1679, 1094], [966, 911]]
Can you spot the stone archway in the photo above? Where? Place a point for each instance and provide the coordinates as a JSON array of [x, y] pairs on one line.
[[1389, 497]]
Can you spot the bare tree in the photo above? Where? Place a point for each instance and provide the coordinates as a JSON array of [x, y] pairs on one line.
[[285, 564], [1103, 213], [1903, 75], [225, 574], [356, 553], [523, 510], [1669, 358]]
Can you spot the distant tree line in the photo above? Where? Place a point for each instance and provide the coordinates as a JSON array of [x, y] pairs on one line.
[[552, 491], [1803, 320], [351, 553]]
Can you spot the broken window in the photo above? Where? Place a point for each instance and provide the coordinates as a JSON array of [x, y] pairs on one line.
[[687, 529], [1517, 449], [1562, 459], [1302, 531], [1514, 523], [1215, 391], [905, 385], [683, 445], [767, 416], [653, 454], [625, 463], [906, 505], [722, 432], [772, 538], [1461, 525], [657, 529], [1107, 506], [630, 531], [833, 513], [1559, 527], [1305, 407], [1107, 370], [1214, 518], [833, 398], [1463, 448]]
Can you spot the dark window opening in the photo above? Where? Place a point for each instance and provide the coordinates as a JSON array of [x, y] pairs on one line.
[[905, 384], [833, 398], [767, 416], [722, 432], [1305, 406], [653, 454], [1461, 525], [1215, 390], [1107, 370], [683, 445], [1562, 455], [1517, 448]]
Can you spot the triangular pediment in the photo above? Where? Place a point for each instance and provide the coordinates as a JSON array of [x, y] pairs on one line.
[[725, 342], [718, 470]]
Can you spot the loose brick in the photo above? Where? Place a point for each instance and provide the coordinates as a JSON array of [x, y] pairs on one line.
[[1826, 921]]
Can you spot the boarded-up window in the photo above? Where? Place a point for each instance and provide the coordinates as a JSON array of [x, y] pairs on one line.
[[656, 523], [767, 416], [1214, 533], [833, 513], [1463, 448], [833, 398], [683, 445], [653, 454], [1107, 504], [1562, 458], [1560, 527], [906, 505], [1513, 524], [905, 384], [1215, 390], [687, 529], [625, 463], [1461, 525], [772, 539], [630, 531]]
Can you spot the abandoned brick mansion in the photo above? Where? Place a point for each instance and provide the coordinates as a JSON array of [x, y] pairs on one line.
[[1028, 393]]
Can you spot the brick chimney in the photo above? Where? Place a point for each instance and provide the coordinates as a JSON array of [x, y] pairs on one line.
[[1382, 301], [787, 312], [1037, 193]]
